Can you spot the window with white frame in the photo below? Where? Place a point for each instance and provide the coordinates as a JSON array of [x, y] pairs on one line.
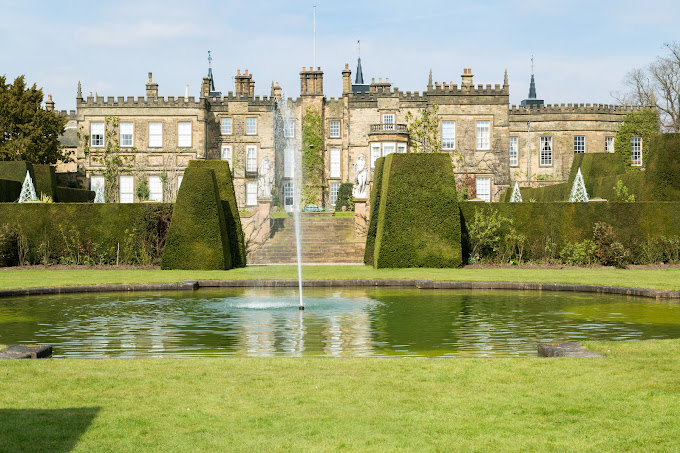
[[448, 135], [126, 133], [251, 193], [155, 188], [375, 153], [609, 144], [636, 151], [334, 129], [96, 134], [225, 155], [96, 181], [184, 134], [335, 162], [288, 162], [155, 135], [127, 191], [388, 148], [251, 126], [289, 128], [546, 151], [579, 144], [388, 122], [401, 147], [483, 186], [225, 126], [483, 135], [335, 186], [251, 158], [514, 157]]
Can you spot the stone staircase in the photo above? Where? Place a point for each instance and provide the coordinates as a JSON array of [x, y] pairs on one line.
[[325, 239]]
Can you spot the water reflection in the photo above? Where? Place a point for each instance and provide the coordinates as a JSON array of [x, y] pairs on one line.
[[336, 323]]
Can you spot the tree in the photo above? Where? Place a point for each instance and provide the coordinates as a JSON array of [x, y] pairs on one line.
[[423, 130], [657, 85], [27, 132]]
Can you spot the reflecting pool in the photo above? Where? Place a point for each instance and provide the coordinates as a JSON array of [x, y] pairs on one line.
[[347, 322]]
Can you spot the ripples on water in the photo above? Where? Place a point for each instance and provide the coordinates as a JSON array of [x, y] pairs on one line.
[[336, 323]]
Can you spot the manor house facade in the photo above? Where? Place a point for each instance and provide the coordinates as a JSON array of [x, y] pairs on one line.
[[494, 144]]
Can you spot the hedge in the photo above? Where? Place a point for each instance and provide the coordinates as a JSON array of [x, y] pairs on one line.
[[553, 225], [83, 233], [45, 181], [70, 195], [374, 206], [663, 167], [225, 186], [344, 197], [418, 218], [9, 191], [198, 237]]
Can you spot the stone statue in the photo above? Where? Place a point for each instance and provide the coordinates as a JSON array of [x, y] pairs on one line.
[[265, 179], [360, 177]]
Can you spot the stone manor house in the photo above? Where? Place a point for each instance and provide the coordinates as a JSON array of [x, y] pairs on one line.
[[498, 144]]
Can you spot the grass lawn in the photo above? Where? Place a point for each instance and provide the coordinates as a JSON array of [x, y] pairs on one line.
[[662, 279], [626, 402]]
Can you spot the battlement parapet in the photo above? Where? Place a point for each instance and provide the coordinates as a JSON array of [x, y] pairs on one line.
[[70, 114], [452, 89], [575, 108], [140, 101]]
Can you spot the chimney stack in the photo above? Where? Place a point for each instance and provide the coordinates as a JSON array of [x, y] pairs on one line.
[[346, 80], [151, 89], [467, 77], [186, 93], [49, 103]]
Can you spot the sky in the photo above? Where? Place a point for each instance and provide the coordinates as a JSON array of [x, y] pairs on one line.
[[582, 49]]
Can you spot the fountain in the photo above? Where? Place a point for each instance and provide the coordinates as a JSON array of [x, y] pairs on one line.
[[293, 143]]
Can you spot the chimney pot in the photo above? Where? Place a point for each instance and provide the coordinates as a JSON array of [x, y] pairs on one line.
[[277, 84], [49, 97], [246, 72], [346, 65], [150, 78], [318, 68], [238, 72], [387, 80], [304, 68]]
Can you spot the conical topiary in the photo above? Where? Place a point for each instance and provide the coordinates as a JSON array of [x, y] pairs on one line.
[[27, 190], [578, 190], [99, 194], [516, 196]]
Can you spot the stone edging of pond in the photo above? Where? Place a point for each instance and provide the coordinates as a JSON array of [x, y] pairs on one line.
[[189, 285], [26, 351]]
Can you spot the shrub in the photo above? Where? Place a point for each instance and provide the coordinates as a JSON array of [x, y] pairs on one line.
[[418, 219], [345, 197], [225, 185], [197, 238], [579, 253], [485, 233], [9, 191], [142, 190], [45, 180], [16, 171], [663, 167], [69, 195]]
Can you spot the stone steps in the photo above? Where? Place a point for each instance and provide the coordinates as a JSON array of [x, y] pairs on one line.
[[325, 239]]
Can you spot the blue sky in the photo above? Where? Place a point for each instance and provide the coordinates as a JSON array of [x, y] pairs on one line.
[[582, 49]]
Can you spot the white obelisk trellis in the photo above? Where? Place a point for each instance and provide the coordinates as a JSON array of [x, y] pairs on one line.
[[99, 194], [578, 190], [516, 196], [27, 190]]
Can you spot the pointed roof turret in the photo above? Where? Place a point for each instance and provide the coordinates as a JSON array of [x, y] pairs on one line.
[[213, 92], [359, 80], [359, 86], [531, 101]]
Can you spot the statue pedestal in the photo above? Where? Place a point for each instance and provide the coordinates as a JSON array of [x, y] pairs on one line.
[[264, 206], [360, 218]]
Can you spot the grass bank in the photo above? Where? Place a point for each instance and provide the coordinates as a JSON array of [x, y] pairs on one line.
[[626, 402], [661, 279]]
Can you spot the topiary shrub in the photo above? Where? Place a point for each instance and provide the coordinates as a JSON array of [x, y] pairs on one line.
[[225, 186], [69, 195], [418, 219], [663, 167], [345, 198], [375, 208], [197, 238], [45, 180], [16, 170]]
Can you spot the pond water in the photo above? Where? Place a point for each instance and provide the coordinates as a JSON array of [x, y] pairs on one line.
[[347, 322]]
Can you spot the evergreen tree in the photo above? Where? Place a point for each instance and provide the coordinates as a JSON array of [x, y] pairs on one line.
[[578, 190], [27, 132]]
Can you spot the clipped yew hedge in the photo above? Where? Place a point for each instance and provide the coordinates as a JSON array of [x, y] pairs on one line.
[[418, 218], [663, 167], [45, 181], [95, 234], [344, 197], [71, 195], [556, 224], [373, 216], [9, 191], [225, 186], [16, 170], [198, 237]]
